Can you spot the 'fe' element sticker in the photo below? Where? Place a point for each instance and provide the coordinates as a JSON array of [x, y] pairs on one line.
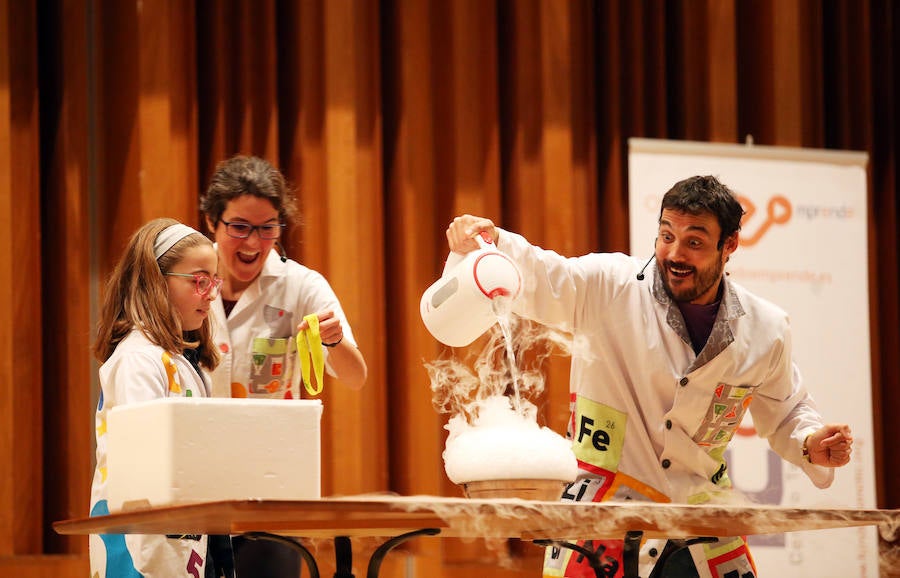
[[599, 434]]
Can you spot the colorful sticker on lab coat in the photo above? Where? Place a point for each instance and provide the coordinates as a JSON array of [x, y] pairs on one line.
[[561, 562], [171, 373], [267, 366], [588, 489], [598, 434], [564, 562], [729, 558], [723, 416], [625, 488], [279, 321]]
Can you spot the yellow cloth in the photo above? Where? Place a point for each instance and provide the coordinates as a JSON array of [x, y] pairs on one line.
[[309, 348]]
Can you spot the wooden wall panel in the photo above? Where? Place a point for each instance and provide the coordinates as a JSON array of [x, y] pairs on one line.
[[7, 401], [521, 88], [303, 123], [884, 218], [166, 124], [237, 74], [704, 71], [548, 78], [619, 68], [414, 252], [525, 124], [254, 77], [146, 152], [848, 67], [723, 69], [347, 238], [780, 50], [550, 172], [847, 73], [331, 146], [214, 85], [568, 150], [45, 567], [390, 117], [632, 60], [467, 133], [21, 371], [65, 244]]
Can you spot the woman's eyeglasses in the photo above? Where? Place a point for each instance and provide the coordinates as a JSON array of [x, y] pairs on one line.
[[203, 282], [241, 230]]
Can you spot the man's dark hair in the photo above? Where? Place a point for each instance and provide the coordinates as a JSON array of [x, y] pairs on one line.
[[705, 194]]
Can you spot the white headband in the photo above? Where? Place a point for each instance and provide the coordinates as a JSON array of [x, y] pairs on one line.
[[169, 236]]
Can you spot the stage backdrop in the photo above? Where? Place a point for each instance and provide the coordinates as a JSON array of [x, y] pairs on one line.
[[804, 247]]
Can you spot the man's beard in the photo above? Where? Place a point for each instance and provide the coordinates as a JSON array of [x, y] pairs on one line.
[[704, 280]]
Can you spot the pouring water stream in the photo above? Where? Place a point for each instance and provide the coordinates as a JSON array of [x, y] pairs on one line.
[[502, 307]]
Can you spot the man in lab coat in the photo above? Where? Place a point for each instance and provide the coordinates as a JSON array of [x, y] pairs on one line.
[[677, 354]]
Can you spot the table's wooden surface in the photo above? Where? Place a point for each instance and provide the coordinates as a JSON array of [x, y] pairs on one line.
[[378, 515]]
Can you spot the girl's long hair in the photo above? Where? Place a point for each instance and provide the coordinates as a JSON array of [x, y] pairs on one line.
[[136, 296]]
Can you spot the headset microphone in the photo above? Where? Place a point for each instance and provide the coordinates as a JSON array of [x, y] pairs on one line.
[[281, 252], [640, 276]]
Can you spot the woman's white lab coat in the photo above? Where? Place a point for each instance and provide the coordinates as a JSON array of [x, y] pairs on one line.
[[256, 340]]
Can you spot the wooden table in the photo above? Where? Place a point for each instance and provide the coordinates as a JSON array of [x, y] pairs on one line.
[[400, 518]]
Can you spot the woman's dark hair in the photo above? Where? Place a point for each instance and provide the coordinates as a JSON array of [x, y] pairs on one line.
[[246, 175]]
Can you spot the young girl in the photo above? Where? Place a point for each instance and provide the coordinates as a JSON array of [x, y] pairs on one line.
[[153, 341]]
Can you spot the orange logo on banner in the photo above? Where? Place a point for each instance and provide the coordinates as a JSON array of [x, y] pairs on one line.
[[778, 212]]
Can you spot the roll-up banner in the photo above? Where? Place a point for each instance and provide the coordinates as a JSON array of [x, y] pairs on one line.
[[804, 247]]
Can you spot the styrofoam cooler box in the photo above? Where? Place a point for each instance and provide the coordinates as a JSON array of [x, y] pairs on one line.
[[186, 450]]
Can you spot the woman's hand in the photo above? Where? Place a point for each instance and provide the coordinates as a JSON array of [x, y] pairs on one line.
[[330, 329], [344, 358]]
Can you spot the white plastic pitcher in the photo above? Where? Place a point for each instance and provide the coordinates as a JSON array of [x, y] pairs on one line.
[[457, 308]]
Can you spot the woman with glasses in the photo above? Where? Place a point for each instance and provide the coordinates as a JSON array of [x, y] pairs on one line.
[[265, 295], [153, 341], [263, 301]]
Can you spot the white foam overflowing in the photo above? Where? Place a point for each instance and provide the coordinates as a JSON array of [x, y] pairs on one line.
[[494, 433], [504, 444]]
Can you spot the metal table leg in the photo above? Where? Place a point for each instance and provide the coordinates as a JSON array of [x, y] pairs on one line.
[[343, 551], [343, 557], [304, 553], [631, 553], [379, 554]]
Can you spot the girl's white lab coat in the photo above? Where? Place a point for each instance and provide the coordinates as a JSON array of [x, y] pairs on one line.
[[137, 371]]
